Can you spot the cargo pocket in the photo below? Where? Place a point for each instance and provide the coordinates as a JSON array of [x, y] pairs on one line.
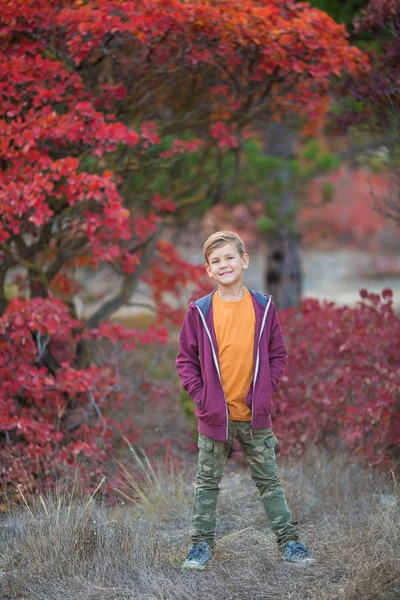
[[205, 444], [269, 453], [211, 459], [270, 441]]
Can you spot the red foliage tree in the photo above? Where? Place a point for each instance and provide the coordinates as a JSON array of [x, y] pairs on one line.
[[89, 91], [343, 378]]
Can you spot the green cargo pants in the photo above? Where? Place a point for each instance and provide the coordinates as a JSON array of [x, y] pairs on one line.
[[258, 448]]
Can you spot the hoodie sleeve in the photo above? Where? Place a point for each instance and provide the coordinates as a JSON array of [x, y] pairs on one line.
[[187, 361], [276, 350]]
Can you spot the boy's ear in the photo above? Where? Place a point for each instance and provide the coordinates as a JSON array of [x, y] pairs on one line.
[[245, 260], [208, 270]]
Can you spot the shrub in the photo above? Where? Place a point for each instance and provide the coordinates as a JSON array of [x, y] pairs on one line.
[[52, 418], [342, 384]]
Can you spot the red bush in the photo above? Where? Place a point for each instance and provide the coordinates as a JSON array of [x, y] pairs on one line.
[[342, 383], [50, 418]]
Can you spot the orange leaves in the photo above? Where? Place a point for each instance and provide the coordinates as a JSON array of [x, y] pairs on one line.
[[288, 39], [64, 286]]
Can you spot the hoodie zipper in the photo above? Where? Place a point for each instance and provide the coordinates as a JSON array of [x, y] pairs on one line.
[[216, 366], [258, 362]]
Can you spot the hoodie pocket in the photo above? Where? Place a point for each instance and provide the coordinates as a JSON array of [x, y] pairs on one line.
[[262, 402], [197, 396], [200, 405]]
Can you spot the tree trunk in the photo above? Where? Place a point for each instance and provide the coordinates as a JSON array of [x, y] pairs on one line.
[[283, 276], [283, 273]]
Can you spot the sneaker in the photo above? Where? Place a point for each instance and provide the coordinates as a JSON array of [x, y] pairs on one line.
[[198, 556], [298, 554]]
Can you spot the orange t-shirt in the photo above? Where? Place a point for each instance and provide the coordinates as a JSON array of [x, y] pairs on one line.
[[234, 324]]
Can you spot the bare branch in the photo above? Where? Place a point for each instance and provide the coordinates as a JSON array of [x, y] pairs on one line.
[[130, 284], [41, 344], [98, 411], [63, 255]]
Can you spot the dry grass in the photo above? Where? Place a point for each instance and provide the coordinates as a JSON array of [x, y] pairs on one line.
[[66, 548]]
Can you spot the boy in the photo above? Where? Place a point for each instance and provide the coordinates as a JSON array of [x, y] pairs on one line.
[[231, 358]]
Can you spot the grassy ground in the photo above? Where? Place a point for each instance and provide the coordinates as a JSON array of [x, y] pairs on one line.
[[71, 548]]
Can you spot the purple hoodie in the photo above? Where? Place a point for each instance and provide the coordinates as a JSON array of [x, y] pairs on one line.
[[198, 368]]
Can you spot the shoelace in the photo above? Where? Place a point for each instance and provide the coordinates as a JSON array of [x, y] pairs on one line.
[[197, 551], [299, 549]]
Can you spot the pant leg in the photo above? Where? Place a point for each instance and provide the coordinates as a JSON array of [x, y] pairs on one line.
[[211, 462], [258, 447]]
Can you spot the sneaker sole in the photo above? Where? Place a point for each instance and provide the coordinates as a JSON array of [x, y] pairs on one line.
[[193, 567], [306, 561]]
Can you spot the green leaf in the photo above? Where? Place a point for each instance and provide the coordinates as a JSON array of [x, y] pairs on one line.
[[328, 189], [266, 224]]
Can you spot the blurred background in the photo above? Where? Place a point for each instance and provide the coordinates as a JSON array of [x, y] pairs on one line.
[[129, 132]]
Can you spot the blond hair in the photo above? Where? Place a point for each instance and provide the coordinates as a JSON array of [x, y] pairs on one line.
[[220, 238]]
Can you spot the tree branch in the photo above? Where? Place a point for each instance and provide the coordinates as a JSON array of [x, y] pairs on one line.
[[63, 256], [130, 284]]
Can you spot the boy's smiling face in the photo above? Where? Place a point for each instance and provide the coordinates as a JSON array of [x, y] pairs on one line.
[[225, 265]]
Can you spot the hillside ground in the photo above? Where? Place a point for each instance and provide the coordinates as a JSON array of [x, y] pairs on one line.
[[70, 547]]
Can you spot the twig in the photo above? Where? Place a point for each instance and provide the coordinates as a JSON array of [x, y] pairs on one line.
[[17, 485], [94, 493]]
